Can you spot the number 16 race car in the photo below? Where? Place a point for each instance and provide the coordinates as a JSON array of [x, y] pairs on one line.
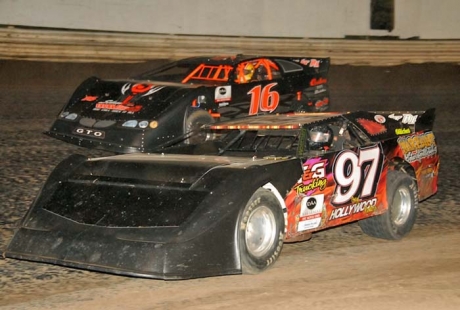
[[227, 205], [148, 111]]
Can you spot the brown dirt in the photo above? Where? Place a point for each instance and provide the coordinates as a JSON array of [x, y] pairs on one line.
[[419, 272]]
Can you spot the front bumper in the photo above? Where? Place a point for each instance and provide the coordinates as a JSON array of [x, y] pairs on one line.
[[129, 251], [115, 139]]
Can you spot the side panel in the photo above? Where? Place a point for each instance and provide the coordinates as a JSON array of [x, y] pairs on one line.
[[337, 188]]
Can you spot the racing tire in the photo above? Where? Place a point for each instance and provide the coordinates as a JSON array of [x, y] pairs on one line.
[[193, 123], [261, 232], [398, 220], [320, 103]]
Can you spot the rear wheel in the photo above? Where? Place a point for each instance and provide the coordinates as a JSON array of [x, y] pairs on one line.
[[192, 125], [311, 102], [261, 232], [400, 217]]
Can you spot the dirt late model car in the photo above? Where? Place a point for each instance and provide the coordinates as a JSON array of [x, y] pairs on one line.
[[226, 206], [145, 112]]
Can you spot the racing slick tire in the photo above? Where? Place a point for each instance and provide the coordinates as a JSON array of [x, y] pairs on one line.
[[309, 102], [402, 196], [193, 122], [261, 232]]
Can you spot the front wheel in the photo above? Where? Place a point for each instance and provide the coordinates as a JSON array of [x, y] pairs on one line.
[[261, 232], [192, 126], [402, 196]]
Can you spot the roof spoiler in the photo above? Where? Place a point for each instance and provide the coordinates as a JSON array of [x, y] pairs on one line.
[[426, 120], [416, 120], [318, 65]]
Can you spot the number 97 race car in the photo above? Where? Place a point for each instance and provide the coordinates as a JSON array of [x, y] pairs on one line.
[[143, 113], [227, 205]]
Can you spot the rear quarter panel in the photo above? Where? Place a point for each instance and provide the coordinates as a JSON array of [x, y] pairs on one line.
[[420, 151]]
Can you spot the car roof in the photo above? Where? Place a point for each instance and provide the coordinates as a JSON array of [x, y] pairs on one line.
[[274, 121], [220, 60]]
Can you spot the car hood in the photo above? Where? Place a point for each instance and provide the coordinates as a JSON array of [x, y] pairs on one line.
[[125, 99], [137, 190]]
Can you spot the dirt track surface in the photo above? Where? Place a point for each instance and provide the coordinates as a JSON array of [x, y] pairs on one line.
[[337, 269]]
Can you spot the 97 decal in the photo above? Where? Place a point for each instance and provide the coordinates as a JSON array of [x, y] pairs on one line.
[[263, 99], [356, 175]]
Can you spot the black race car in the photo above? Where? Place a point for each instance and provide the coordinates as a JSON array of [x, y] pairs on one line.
[[146, 112], [226, 206]]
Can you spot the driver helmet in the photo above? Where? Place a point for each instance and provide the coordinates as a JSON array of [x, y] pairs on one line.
[[320, 138], [248, 71]]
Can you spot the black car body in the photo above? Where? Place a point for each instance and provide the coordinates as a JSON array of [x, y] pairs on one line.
[[226, 206], [163, 106]]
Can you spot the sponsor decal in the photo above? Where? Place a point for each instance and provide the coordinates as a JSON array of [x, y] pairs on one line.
[[312, 63], [405, 118], [319, 81], [402, 131], [89, 132], [115, 106], [318, 183], [380, 119], [428, 172], [223, 104], [313, 177], [311, 208], [126, 106], [395, 117], [223, 93], [137, 89], [416, 147], [357, 206], [89, 98], [319, 103], [319, 91], [373, 128]]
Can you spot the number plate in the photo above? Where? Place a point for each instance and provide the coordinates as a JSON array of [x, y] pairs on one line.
[[89, 132]]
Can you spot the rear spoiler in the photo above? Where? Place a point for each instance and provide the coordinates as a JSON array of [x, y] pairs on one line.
[[386, 124], [415, 120], [425, 121]]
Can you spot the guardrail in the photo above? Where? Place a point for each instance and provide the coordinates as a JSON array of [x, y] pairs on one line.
[[88, 46]]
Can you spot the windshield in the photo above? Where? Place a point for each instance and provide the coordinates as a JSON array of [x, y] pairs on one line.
[[246, 143], [276, 141]]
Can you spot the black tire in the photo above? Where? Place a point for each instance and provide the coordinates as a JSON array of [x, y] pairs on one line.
[[308, 96], [193, 123], [402, 196], [261, 232]]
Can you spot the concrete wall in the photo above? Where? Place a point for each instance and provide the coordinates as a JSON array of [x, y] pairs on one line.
[[427, 19]]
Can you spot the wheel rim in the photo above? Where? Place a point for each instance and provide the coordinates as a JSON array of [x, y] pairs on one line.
[[401, 206], [260, 231], [199, 136]]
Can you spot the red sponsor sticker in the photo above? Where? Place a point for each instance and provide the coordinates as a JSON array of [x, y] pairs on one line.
[[319, 81], [89, 98], [118, 107], [373, 128]]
